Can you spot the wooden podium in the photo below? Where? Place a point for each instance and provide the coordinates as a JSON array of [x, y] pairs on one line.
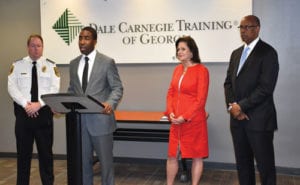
[[73, 106]]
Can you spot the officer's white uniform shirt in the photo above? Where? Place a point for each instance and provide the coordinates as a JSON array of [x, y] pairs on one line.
[[19, 79]]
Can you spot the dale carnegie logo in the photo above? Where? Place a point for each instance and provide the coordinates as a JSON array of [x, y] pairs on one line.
[[67, 26]]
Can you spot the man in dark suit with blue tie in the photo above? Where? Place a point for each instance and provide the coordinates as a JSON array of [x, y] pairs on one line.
[[96, 74], [249, 88]]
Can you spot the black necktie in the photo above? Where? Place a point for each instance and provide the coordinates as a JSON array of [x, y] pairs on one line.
[[34, 84], [85, 74]]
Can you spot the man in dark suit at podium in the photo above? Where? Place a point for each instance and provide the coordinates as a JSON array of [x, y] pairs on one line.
[[96, 74], [249, 87]]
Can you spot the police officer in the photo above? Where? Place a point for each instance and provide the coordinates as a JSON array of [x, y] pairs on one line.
[[34, 119]]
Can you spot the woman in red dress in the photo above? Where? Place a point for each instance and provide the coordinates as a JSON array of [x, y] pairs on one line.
[[186, 101]]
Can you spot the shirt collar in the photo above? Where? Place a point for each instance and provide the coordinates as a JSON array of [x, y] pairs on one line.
[[91, 56], [252, 44], [29, 60]]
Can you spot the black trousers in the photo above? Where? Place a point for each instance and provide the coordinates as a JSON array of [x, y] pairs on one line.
[[40, 130], [250, 145]]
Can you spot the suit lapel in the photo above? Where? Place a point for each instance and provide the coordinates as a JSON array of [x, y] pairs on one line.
[[249, 58], [77, 80], [95, 68], [238, 57]]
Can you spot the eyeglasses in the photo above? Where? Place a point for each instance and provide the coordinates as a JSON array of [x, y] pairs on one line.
[[246, 27]]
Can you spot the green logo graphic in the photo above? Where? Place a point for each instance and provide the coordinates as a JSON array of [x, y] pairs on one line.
[[67, 26]]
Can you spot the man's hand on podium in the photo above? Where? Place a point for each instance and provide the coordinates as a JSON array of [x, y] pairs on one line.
[[107, 108]]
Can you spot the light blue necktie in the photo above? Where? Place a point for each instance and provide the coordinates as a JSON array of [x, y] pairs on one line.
[[243, 58]]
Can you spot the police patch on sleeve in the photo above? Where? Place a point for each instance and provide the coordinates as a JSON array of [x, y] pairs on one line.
[[11, 70], [56, 71], [44, 68]]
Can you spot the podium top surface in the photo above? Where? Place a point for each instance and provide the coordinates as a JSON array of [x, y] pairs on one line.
[[65, 102]]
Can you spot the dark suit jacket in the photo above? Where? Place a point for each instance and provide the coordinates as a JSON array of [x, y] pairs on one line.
[[105, 86], [253, 88]]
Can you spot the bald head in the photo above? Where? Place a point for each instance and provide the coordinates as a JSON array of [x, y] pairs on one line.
[[253, 19]]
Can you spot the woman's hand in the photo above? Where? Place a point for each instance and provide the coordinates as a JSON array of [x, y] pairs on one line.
[[177, 120]]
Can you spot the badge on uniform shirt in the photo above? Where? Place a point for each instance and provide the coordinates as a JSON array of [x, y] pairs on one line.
[[44, 68], [11, 70], [56, 71]]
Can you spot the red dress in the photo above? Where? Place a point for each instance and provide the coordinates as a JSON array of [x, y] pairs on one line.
[[187, 97]]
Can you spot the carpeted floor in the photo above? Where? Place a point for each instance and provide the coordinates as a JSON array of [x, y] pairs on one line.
[[130, 174]]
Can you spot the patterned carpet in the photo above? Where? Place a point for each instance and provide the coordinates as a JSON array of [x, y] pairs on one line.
[[130, 174]]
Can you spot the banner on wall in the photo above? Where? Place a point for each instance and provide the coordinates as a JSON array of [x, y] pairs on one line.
[[142, 31]]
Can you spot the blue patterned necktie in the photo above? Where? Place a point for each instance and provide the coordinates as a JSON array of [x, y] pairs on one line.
[[243, 58]]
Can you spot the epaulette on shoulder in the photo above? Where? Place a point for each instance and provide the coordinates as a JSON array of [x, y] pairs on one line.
[[50, 61], [19, 60]]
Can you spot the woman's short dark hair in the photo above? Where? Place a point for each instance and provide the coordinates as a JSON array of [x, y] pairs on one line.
[[191, 45]]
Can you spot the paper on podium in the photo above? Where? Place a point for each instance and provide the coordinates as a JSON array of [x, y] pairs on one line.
[[65, 102]]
